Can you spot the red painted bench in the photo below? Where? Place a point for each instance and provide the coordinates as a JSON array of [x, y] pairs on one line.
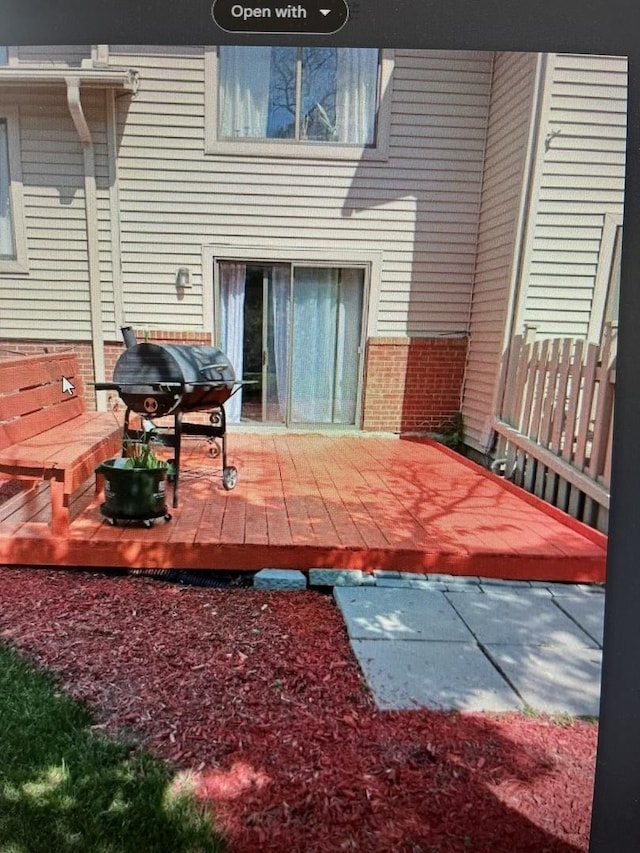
[[46, 432]]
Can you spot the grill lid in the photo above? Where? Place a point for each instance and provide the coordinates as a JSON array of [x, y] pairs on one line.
[[160, 378]]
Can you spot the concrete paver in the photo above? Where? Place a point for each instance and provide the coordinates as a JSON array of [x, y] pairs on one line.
[[399, 614], [488, 648], [405, 674], [553, 679], [522, 617], [586, 609]]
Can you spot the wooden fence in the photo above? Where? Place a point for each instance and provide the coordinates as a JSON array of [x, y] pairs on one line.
[[555, 428]]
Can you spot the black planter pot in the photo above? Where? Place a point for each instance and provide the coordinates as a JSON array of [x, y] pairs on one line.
[[133, 494]]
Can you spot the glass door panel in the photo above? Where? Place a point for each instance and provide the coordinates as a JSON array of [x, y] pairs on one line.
[[315, 294], [276, 343], [348, 337], [294, 333], [233, 279], [253, 331], [325, 357]]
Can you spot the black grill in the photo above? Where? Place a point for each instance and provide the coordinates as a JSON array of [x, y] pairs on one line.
[[155, 380], [159, 379]]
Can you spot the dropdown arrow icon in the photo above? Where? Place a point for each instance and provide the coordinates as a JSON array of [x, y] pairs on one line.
[[319, 17]]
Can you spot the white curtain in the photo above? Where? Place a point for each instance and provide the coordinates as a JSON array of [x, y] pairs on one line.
[[347, 345], [327, 322], [7, 248], [315, 294], [281, 312], [232, 287], [244, 91], [356, 96]]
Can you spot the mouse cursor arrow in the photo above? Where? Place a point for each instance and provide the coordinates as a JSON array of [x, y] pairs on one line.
[[67, 386]]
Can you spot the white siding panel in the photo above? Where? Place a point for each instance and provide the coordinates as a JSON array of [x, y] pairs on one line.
[[582, 179], [52, 301], [53, 298], [506, 148], [54, 56], [419, 208]]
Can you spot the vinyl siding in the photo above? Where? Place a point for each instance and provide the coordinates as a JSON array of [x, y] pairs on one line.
[[54, 56], [509, 126], [581, 179], [419, 208], [52, 299]]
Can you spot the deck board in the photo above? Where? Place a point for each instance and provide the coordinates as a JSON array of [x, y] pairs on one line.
[[321, 500]]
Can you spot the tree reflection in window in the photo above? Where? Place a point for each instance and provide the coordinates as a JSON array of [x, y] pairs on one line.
[[301, 94]]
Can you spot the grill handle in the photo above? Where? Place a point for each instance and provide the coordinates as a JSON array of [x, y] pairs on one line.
[[155, 386], [213, 367]]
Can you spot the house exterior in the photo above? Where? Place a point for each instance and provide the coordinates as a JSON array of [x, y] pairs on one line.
[[361, 231]]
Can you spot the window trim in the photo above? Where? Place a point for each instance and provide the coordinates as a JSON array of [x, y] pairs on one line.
[[292, 149], [611, 234], [19, 264]]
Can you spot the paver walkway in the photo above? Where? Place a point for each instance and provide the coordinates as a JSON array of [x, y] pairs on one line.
[[479, 646]]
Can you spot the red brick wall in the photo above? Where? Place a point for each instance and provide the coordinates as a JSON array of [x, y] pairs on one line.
[[413, 384]]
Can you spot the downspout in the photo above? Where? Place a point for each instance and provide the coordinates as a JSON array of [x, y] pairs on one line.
[[91, 215], [114, 204]]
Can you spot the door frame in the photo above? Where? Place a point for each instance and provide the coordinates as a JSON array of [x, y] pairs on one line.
[[370, 262]]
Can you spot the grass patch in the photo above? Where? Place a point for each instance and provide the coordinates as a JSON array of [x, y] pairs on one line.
[[63, 788]]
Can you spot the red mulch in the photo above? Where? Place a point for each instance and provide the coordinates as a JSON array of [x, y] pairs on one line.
[[257, 700]]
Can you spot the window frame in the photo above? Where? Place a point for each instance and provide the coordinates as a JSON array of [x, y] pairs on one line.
[[259, 254], [296, 149], [19, 263]]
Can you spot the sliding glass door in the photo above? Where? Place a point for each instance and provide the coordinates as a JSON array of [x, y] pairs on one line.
[[327, 318], [294, 332]]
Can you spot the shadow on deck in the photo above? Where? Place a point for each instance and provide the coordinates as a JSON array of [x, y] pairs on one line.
[[321, 500]]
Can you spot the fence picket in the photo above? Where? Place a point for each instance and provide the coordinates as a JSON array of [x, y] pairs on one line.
[[584, 417], [602, 417], [560, 400]]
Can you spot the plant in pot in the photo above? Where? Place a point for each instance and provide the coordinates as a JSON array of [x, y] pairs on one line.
[[135, 483]]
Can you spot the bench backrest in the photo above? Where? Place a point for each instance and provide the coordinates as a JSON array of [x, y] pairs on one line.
[[33, 397]]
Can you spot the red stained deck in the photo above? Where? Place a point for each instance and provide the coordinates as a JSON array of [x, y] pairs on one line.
[[310, 500]]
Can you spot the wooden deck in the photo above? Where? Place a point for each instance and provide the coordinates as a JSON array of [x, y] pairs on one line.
[[311, 500]]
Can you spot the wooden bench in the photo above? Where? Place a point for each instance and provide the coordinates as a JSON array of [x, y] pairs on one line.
[[46, 432]]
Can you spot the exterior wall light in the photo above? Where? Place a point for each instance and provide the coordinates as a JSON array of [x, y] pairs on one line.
[[182, 277]]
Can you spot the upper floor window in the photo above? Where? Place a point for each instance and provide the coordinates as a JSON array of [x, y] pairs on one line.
[[12, 240], [7, 240], [268, 99]]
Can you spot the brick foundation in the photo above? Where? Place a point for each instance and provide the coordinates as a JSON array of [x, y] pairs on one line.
[[413, 384]]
